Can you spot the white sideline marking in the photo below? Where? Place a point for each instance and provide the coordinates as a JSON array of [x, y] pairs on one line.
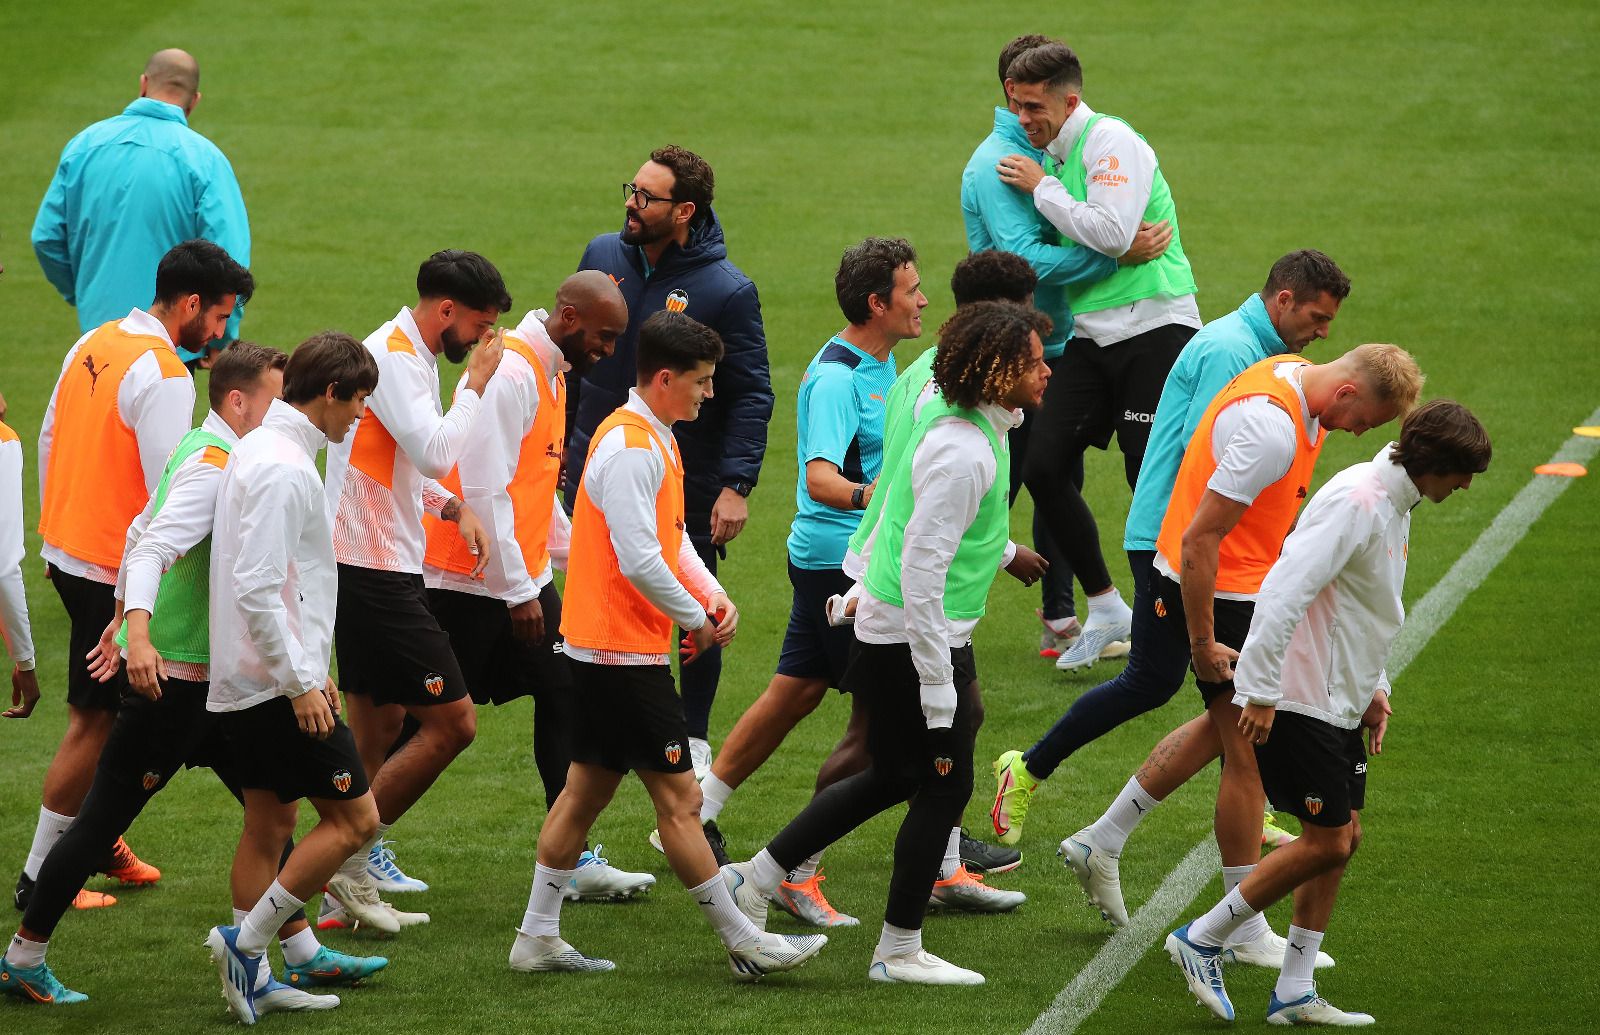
[[1074, 1004]]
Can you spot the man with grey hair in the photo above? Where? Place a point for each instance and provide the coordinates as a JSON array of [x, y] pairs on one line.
[[130, 187]]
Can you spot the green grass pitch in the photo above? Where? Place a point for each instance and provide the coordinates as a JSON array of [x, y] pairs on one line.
[[1443, 153]]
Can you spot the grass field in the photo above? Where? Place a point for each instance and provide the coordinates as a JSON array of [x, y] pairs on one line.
[[1442, 153]]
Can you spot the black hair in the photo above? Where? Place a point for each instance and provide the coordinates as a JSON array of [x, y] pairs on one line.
[[868, 269], [675, 342], [1307, 273], [993, 275], [464, 277], [201, 268]]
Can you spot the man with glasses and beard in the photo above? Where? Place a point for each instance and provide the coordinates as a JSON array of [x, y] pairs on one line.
[[670, 255], [394, 659]]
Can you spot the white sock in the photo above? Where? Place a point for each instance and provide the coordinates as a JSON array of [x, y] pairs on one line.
[[722, 913], [1256, 926], [544, 901], [952, 855], [269, 914], [1108, 606], [1112, 830], [806, 870], [768, 874], [299, 948], [1296, 980], [51, 826], [239, 915], [898, 941], [1216, 926], [24, 954], [713, 795], [355, 867]]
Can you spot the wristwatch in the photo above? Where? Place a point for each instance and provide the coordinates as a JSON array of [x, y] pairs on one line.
[[858, 498], [743, 488]]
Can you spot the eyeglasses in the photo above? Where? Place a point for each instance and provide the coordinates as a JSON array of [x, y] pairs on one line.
[[634, 192]]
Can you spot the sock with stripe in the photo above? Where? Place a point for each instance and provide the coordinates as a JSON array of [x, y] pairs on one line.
[[1111, 831], [1256, 926], [722, 913], [543, 917], [1296, 980], [269, 914]]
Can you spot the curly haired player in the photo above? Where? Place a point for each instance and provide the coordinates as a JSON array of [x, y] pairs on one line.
[[939, 540]]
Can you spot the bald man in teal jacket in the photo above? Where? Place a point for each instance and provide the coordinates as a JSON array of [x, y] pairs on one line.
[[130, 187]]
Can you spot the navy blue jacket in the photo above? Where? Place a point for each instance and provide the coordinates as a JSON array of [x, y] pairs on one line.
[[725, 444]]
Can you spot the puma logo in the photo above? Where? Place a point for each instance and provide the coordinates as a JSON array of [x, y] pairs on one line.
[[1231, 911], [705, 901], [1141, 808], [1301, 949], [552, 884], [94, 375], [273, 903]]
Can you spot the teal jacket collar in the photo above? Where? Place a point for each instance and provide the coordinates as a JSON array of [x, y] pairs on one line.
[[1009, 129], [1255, 316], [151, 108]]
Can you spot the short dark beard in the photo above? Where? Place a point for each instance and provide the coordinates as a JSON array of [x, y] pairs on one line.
[[577, 357], [192, 335], [646, 234], [454, 347]]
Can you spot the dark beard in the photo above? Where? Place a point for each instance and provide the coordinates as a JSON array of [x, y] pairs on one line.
[[646, 234], [455, 348], [192, 335], [573, 352]]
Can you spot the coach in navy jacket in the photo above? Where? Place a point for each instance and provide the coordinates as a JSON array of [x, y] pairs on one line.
[[670, 255]]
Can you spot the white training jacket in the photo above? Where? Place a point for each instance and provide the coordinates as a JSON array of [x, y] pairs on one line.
[[14, 626], [1108, 217], [378, 510], [1330, 608], [156, 541], [274, 581], [156, 408], [489, 460], [952, 469], [622, 483]]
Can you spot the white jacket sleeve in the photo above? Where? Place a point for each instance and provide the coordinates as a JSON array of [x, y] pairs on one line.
[[629, 481], [47, 427], [136, 528], [14, 622], [487, 468], [272, 515], [185, 519], [946, 491], [1121, 172], [1319, 548], [560, 541], [406, 402], [694, 574], [159, 412]]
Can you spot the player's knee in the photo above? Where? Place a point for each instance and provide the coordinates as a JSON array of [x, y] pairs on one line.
[[801, 699], [680, 808], [457, 729], [1333, 845], [359, 823], [1355, 836]]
